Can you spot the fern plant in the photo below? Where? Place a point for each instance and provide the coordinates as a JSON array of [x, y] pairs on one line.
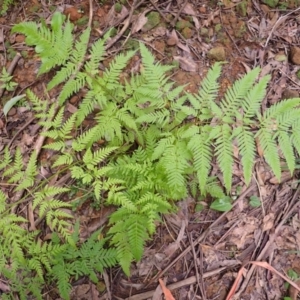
[[150, 144], [4, 6]]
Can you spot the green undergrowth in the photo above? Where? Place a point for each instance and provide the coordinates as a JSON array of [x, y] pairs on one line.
[[151, 144]]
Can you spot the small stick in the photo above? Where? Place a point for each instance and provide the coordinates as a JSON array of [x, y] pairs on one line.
[[11, 69], [203, 235], [173, 23], [159, 10], [126, 25], [90, 13], [173, 286]]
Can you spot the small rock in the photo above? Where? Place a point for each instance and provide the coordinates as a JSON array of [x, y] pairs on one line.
[[153, 20], [187, 33], [217, 53], [295, 55]]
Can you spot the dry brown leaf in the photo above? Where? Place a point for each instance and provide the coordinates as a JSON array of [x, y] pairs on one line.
[[268, 221], [172, 39], [113, 19], [189, 10], [139, 23], [171, 248], [196, 22], [183, 47], [79, 291], [165, 290], [186, 64]]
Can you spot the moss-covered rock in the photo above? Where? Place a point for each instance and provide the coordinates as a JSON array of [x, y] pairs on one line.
[[183, 24], [153, 20]]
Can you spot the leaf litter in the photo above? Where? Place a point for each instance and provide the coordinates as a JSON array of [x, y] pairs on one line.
[[264, 37]]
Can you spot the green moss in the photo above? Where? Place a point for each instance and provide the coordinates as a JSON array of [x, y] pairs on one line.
[[96, 24], [241, 8], [34, 8], [271, 3], [240, 29], [82, 21], [132, 44], [118, 7], [113, 32], [187, 33], [153, 20], [175, 63], [203, 31], [24, 54], [298, 74], [182, 24], [218, 27]]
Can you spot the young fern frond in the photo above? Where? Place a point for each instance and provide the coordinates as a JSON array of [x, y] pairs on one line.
[[54, 46]]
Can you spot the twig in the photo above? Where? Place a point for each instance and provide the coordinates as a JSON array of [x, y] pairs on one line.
[[160, 11], [11, 69], [173, 23], [203, 235], [126, 24], [196, 267], [264, 251], [173, 286], [278, 22], [20, 130], [90, 13]]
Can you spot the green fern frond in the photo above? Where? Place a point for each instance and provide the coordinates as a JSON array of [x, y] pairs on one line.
[[161, 146], [269, 148], [247, 149], [235, 94], [285, 144], [30, 173], [95, 158], [277, 109], [224, 153], [252, 101], [207, 92], [85, 139], [5, 159], [54, 46], [200, 147], [111, 76], [175, 164], [71, 87]]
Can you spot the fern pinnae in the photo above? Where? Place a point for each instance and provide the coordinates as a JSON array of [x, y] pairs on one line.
[[286, 147], [235, 94], [111, 75], [200, 146], [277, 109], [252, 102], [224, 153], [270, 152], [208, 89], [247, 150]]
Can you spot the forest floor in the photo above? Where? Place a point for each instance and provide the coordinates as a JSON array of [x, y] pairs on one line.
[[198, 252]]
